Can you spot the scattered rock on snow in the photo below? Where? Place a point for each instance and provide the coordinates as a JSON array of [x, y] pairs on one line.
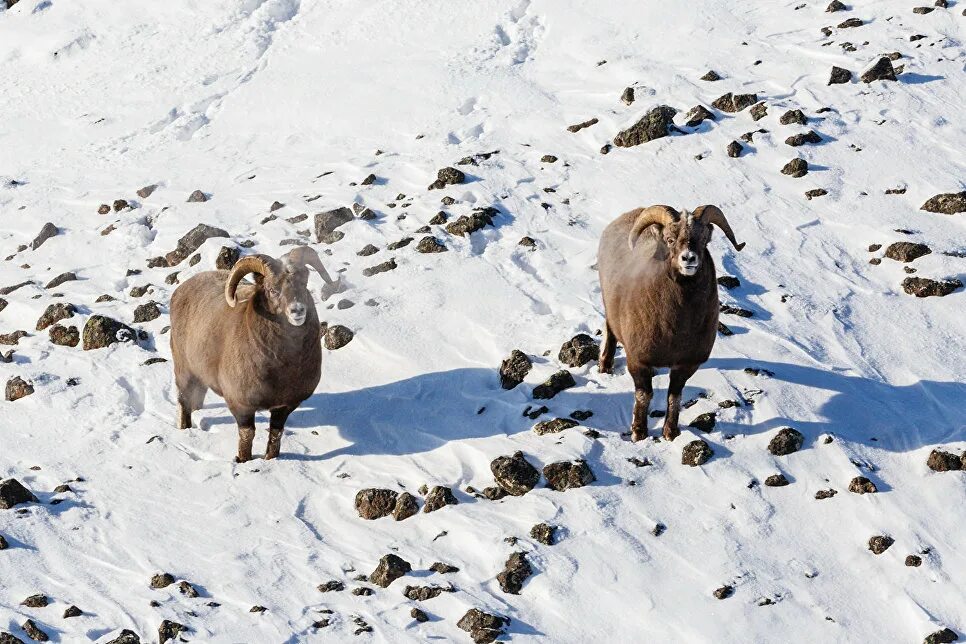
[[839, 76], [447, 176], [580, 126], [380, 268], [881, 70], [39, 600], [17, 388], [147, 312], [835, 5], [406, 506], [64, 336], [815, 192], [797, 140], [477, 220], [482, 627], [327, 222], [554, 426], [862, 485], [704, 422], [724, 592], [880, 543], [793, 116], [227, 258], [940, 461], [697, 115], [418, 615], [439, 497], [46, 232], [696, 453], [375, 503], [515, 573], [944, 636], [391, 567], [925, 287], [759, 111], [851, 23], [796, 168], [430, 244], [514, 474], [72, 611], [162, 580], [787, 441], [126, 637], [169, 630], [422, 593], [544, 533], [711, 76], [197, 197], [656, 124], [554, 385], [13, 493], [568, 474], [578, 351], [55, 313], [101, 331], [948, 203], [33, 632], [192, 241], [906, 251], [825, 494], [63, 278], [514, 369], [776, 480], [734, 102], [331, 586], [734, 149], [627, 96], [337, 336]]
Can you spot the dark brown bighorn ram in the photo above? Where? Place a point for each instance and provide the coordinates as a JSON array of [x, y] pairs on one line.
[[255, 345], [660, 300]]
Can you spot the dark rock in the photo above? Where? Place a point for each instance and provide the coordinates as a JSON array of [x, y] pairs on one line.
[[3, 543], [64, 336], [862, 485], [793, 116], [514, 369], [169, 630], [391, 567], [839, 76], [418, 615], [776, 480], [406, 506], [367, 250], [13, 338], [337, 336], [514, 474], [554, 385], [327, 222], [728, 309], [46, 232], [704, 422], [162, 580], [734, 102], [581, 414], [729, 282], [515, 573], [544, 533], [187, 589], [192, 241], [126, 637], [443, 568], [881, 70], [7, 290], [906, 251], [696, 453], [656, 124], [528, 242], [147, 191], [446, 177], [801, 139], [422, 593], [197, 197], [697, 115], [948, 203], [362, 591], [578, 351], [36, 601], [796, 168], [724, 330], [880, 543], [103, 209], [724, 592], [482, 627], [925, 287], [494, 493], [815, 192], [549, 158], [734, 149], [439, 497], [147, 312], [566, 474], [374, 503], [55, 313], [554, 426], [33, 632], [945, 636], [61, 279], [332, 586], [711, 76], [940, 461], [380, 268], [786, 441], [825, 494], [369, 180], [759, 111], [72, 611], [101, 331], [18, 388], [851, 23], [579, 126], [402, 243], [121, 204], [923, 10], [227, 258], [834, 6], [466, 224], [430, 244], [627, 96]]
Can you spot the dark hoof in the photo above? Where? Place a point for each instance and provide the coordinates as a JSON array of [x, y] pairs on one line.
[[670, 434], [240, 459], [605, 368], [638, 435]]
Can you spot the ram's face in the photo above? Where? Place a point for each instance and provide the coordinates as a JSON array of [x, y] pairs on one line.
[[686, 240], [286, 293]]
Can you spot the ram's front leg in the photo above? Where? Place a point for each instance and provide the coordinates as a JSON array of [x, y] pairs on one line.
[[643, 392], [246, 434], [679, 376], [276, 428]]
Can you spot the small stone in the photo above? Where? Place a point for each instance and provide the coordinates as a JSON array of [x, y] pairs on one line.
[[925, 287], [103, 209], [192, 241], [337, 336], [880, 543], [544, 533], [704, 422], [36, 601], [147, 312], [332, 586], [940, 461], [627, 96], [438, 498], [851, 23], [169, 630], [776, 480], [418, 615], [121, 204], [402, 243], [565, 475], [443, 569], [577, 127], [949, 203], [327, 222], [197, 197], [162, 580], [369, 180], [913, 561], [3, 543], [477, 220], [815, 192], [835, 5], [367, 250], [839, 76], [515, 573], [374, 503], [13, 338], [34, 633], [944, 636], [257, 609], [862, 485], [734, 102], [825, 494], [126, 637], [422, 593], [391, 567], [554, 385], [482, 627], [47, 231], [793, 116], [528, 242], [17, 388], [554, 426], [548, 158], [759, 111], [578, 351], [724, 592], [362, 591], [55, 313], [906, 251], [101, 331], [227, 258], [796, 168], [696, 453], [786, 441], [734, 149], [711, 76], [697, 115], [72, 611], [923, 10], [494, 493], [430, 244], [514, 369], [147, 191], [406, 506], [63, 278], [13, 493], [881, 70], [380, 268], [797, 140], [656, 124], [187, 589], [447, 176]]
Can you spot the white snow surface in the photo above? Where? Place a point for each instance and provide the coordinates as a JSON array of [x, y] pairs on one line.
[[252, 101]]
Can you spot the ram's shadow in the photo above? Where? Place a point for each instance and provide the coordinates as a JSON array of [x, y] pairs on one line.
[[897, 418]]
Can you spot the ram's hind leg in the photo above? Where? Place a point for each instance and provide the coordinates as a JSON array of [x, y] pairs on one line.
[[276, 428], [191, 397], [605, 363], [643, 392]]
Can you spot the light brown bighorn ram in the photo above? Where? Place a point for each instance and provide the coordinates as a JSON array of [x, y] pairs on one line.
[[255, 345], [660, 300]]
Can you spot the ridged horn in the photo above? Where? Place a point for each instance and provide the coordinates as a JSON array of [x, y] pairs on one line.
[[258, 264], [713, 215], [307, 256], [661, 215]]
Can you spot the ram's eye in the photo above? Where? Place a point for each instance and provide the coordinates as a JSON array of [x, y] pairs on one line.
[[669, 240]]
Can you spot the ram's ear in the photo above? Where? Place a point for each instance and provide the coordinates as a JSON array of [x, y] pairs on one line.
[[259, 279]]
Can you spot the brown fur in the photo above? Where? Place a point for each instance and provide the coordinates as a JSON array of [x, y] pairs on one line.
[[661, 317], [250, 355]]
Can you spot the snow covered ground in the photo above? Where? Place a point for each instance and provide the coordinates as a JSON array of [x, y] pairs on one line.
[[256, 101]]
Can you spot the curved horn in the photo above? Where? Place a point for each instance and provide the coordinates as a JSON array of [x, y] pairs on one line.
[[307, 256], [258, 264], [661, 215], [713, 215]]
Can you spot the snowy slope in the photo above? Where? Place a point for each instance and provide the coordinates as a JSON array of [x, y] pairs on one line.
[[254, 101]]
